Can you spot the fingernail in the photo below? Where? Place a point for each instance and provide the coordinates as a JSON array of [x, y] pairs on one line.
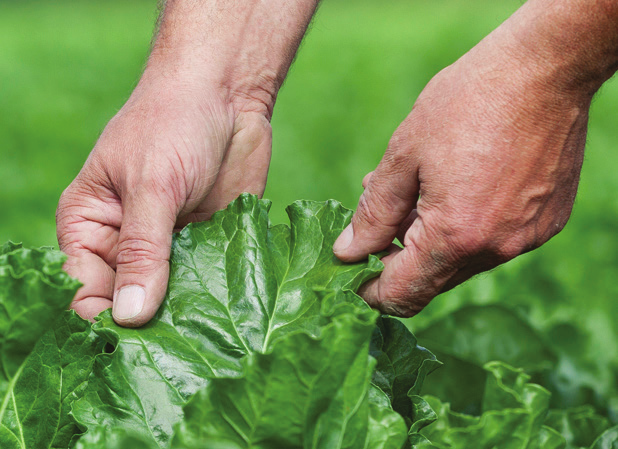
[[129, 302], [344, 240]]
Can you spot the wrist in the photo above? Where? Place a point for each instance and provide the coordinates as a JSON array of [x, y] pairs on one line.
[[198, 83], [573, 43], [243, 48]]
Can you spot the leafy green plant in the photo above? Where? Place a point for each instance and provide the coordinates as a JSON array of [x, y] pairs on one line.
[[260, 343], [46, 353]]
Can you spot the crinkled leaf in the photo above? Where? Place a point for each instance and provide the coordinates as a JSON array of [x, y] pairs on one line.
[[119, 438], [402, 364], [471, 337], [116, 438], [54, 376], [562, 359], [580, 426], [307, 393], [384, 425], [512, 416], [46, 354], [608, 440], [33, 292], [579, 376], [422, 414], [9, 247], [237, 285]]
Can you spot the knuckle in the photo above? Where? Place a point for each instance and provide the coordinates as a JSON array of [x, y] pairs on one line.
[[401, 310], [513, 247], [164, 186], [139, 254], [397, 159], [396, 143], [408, 301], [399, 143], [367, 214], [64, 197], [61, 211], [414, 304], [528, 238], [470, 242], [367, 179], [67, 212], [557, 225], [542, 234], [459, 240], [257, 95], [490, 248], [482, 239], [69, 198]]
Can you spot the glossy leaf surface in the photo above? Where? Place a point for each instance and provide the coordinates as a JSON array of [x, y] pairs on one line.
[[307, 393], [237, 285]]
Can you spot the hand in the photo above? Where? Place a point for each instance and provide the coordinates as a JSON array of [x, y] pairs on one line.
[[485, 168], [194, 135], [172, 155]]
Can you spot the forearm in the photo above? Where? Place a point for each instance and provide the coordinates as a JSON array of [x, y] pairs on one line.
[[246, 46], [575, 42]]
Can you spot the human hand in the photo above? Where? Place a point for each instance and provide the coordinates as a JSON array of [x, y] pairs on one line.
[[194, 135], [485, 168], [172, 155]]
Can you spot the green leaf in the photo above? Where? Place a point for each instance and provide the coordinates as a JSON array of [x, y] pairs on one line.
[[9, 247], [33, 292], [117, 438], [580, 426], [402, 365], [471, 337], [608, 440], [384, 425], [306, 393], [237, 285], [45, 354], [53, 377], [580, 376], [512, 416], [422, 414]]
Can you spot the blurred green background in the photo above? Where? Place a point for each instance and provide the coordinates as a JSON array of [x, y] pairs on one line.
[[67, 66]]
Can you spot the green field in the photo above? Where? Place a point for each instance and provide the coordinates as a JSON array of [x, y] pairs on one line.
[[67, 66]]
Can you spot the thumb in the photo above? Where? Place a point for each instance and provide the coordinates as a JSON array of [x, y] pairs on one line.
[[142, 264], [390, 195], [413, 275]]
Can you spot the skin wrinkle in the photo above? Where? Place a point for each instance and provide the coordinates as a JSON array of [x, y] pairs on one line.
[[92, 245]]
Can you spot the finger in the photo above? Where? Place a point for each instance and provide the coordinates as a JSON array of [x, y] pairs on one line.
[[97, 278], [88, 233], [142, 265], [389, 197], [96, 238], [407, 222], [414, 275]]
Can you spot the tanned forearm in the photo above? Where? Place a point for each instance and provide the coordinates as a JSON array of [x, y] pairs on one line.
[[574, 41], [245, 46]]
